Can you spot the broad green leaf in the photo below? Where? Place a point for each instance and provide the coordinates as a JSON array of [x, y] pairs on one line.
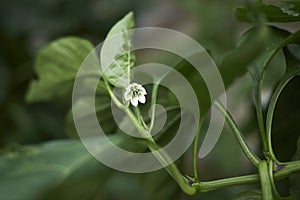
[[102, 109], [251, 45], [276, 40], [65, 170], [249, 195], [159, 185], [234, 64], [75, 186], [275, 11], [29, 172], [123, 186], [56, 67], [199, 86], [117, 57], [32, 170]]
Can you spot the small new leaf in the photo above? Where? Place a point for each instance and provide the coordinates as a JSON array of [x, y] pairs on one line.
[[117, 57]]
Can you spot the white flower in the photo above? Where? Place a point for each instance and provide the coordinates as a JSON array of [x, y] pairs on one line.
[[135, 93]]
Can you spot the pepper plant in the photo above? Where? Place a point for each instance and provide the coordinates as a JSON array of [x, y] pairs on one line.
[[58, 63]]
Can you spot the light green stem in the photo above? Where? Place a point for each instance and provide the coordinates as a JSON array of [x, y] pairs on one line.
[[272, 182], [204, 186], [162, 156], [265, 184], [260, 119], [196, 186], [238, 135], [195, 148], [112, 96], [291, 74], [153, 102]]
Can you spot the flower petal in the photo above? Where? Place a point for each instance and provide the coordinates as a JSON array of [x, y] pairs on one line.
[[128, 88], [143, 91], [127, 95], [142, 98], [135, 101]]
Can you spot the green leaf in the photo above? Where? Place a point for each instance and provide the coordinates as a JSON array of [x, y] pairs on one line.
[[249, 195], [251, 45], [275, 11], [30, 172], [276, 40], [56, 67], [117, 57], [73, 187], [103, 111], [232, 67], [159, 185]]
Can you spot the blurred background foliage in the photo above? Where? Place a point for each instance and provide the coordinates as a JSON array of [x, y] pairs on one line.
[[28, 25]]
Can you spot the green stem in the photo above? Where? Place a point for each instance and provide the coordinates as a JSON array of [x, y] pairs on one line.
[[137, 112], [191, 188], [144, 133], [275, 192], [195, 148], [172, 169], [112, 96], [266, 188], [289, 75], [205, 186], [162, 156], [260, 119], [286, 170], [153, 102], [272, 182], [238, 135]]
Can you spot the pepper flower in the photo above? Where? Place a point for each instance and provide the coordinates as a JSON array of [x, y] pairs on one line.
[[135, 93]]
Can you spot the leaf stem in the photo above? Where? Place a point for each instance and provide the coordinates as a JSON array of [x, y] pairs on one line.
[[112, 96], [272, 182], [172, 169], [260, 119], [290, 74], [238, 135], [153, 102], [195, 148], [191, 188], [161, 155]]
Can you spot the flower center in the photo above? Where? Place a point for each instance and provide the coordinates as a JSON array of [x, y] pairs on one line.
[[135, 92]]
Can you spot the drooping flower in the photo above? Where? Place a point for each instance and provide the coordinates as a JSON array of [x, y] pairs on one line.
[[135, 93]]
